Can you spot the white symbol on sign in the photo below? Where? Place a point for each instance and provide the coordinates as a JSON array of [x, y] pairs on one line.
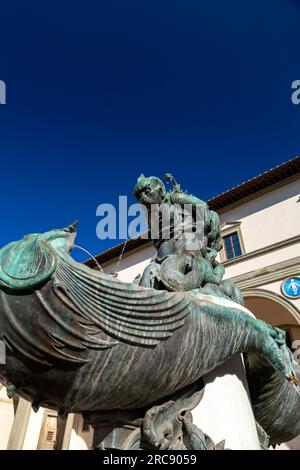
[[294, 286]]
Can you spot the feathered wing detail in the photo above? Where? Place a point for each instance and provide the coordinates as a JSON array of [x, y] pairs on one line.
[[127, 312]]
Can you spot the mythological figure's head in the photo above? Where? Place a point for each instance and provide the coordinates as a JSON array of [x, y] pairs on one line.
[[149, 190], [33, 259]]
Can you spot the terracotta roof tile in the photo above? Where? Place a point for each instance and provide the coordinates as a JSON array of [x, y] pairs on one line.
[[237, 193]]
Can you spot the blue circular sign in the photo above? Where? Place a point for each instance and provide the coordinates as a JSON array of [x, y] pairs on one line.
[[291, 287]]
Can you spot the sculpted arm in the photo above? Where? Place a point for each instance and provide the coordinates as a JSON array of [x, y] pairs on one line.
[[197, 204], [184, 198]]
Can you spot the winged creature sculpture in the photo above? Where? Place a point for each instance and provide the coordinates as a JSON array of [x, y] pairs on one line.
[[79, 340]]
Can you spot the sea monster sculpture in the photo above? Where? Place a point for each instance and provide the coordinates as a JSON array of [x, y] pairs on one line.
[[129, 357], [186, 235]]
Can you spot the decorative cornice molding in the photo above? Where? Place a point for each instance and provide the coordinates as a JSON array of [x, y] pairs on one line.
[[253, 195], [271, 180], [263, 251], [235, 223], [273, 273]]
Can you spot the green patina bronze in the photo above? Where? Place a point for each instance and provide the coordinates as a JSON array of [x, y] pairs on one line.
[[187, 238], [131, 357]]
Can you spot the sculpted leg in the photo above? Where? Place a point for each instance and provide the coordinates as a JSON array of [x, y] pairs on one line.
[[183, 272], [232, 291]]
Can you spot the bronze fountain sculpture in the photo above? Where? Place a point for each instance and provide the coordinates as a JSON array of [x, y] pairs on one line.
[[130, 356]]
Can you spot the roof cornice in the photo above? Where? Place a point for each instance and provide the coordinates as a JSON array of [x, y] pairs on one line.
[[279, 175]]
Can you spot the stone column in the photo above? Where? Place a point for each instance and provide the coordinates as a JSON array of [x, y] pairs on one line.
[[225, 410], [68, 431], [19, 427]]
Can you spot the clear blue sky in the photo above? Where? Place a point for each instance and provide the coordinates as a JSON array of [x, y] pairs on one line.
[[100, 91]]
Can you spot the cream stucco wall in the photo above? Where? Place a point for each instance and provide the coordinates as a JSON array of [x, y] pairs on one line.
[[262, 261], [132, 265], [6, 417], [33, 430], [269, 218]]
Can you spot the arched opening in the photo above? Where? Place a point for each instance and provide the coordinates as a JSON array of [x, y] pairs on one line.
[[275, 310]]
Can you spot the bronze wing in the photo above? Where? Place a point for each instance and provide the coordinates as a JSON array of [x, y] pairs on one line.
[[124, 311]]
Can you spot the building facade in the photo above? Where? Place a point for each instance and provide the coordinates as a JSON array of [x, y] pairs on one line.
[[260, 224]]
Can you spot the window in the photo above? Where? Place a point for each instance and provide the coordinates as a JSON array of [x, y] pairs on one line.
[[50, 436], [232, 245], [49, 431]]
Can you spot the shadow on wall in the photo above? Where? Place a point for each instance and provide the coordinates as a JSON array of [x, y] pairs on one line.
[[294, 444], [82, 435]]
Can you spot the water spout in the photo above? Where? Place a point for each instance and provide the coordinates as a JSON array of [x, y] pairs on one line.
[[93, 257], [120, 258]]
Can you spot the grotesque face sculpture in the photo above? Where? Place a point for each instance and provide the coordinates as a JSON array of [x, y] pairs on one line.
[[31, 260], [61, 239], [149, 190]]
